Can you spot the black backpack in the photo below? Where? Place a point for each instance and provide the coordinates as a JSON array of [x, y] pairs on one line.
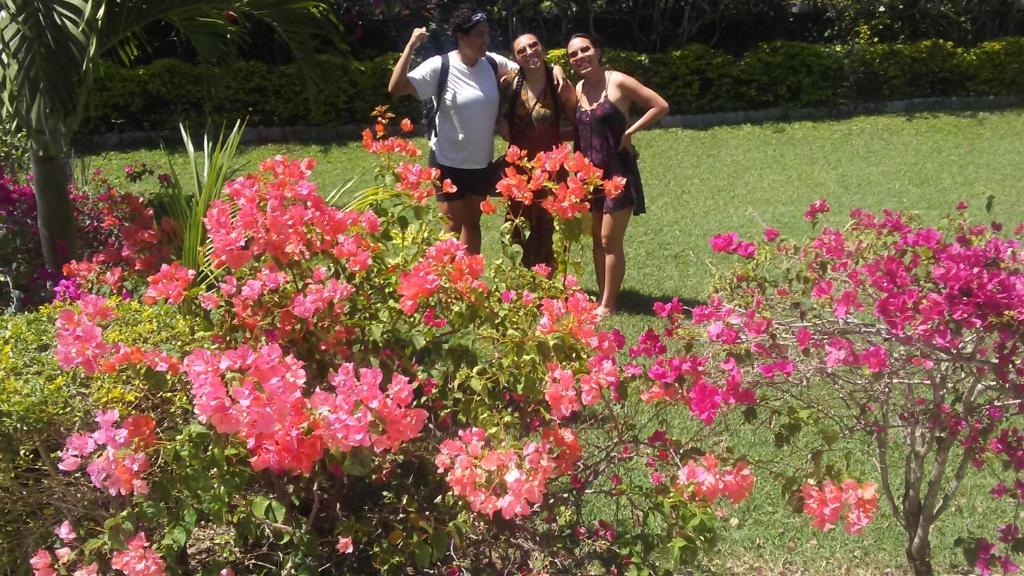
[[432, 105]]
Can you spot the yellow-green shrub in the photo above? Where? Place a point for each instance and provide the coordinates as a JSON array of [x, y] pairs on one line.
[[792, 75], [932, 68], [40, 405], [997, 68]]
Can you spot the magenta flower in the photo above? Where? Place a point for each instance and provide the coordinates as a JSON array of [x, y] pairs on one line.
[[724, 243], [819, 206]]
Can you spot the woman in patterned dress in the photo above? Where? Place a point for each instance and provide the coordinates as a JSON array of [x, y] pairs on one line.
[[532, 113], [604, 134]]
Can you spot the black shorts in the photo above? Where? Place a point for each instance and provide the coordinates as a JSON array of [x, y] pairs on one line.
[[480, 182]]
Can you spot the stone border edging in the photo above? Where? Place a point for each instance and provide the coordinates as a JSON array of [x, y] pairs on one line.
[[701, 121], [324, 134]]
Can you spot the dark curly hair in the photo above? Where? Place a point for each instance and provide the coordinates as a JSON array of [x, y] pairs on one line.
[[465, 18]]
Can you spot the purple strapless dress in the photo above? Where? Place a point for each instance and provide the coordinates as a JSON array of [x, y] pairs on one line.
[[599, 133]]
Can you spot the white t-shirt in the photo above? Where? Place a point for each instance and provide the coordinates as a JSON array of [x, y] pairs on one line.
[[465, 123]]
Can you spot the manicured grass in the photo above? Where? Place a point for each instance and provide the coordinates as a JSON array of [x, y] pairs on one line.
[[744, 178]]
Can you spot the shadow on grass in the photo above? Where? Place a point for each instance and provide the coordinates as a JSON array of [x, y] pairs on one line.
[[635, 302]]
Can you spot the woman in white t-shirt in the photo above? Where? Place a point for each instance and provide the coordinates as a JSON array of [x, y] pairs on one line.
[[462, 145]]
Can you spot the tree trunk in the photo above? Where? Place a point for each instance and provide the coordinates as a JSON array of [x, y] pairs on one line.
[[57, 228], [917, 526], [919, 556]]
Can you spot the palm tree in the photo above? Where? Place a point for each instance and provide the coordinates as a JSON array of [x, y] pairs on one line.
[[48, 54]]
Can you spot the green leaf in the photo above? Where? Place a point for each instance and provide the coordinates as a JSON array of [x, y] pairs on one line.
[[278, 511], [114, 540], [175, 537], [478, 385], [92, 544], [990, 203], [422, 554], [267, 508], [359, 462], [259, 506], [439, 543], [418, 341]]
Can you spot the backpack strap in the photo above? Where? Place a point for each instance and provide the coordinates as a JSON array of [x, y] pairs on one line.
[[442, 85], [494, 66]]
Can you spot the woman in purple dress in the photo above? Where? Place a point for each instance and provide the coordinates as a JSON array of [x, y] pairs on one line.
[[604, 134]]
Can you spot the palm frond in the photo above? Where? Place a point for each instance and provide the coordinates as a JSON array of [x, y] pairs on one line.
[[47, 49], [201, 21], [301, 24]]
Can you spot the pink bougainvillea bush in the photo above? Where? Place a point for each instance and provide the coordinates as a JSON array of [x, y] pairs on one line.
[[112, 224], [365, 396], [885, 337], [359, 394]]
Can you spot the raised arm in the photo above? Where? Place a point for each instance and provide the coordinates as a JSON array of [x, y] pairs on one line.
[[642, 97], [399, 85], [567, 99]]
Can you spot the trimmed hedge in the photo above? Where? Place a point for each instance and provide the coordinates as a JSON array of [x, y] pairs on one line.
[[694, 79], [159, 95]]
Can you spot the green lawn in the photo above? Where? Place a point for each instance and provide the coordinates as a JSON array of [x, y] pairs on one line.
[[746, 177]]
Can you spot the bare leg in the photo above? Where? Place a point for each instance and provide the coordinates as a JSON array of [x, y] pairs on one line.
[[595, 235], [517, 214], [542, 230], [612, 234], [462, 218]]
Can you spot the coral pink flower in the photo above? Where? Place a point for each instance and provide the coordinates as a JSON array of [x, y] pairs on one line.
[[614, 186], [66, 532], [826, 504], [704, 480], [417, 180], [493, 480], [542, 270], [41, 563], [139, 559], [344, 545], [170, 284], [561, 392], [88, 570], [120, 466]]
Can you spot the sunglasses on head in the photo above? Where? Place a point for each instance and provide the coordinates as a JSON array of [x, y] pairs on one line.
[[473, 21]]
